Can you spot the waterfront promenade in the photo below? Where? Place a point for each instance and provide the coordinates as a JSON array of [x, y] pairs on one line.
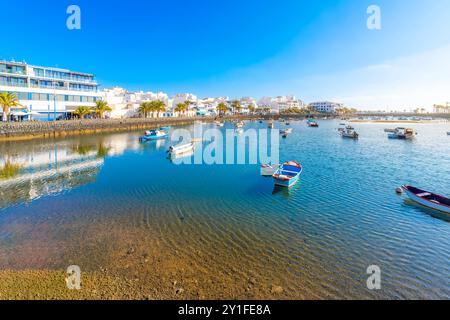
[[13, 131]]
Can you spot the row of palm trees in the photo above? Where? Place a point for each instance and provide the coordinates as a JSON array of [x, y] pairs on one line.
[[151, 107], [100, 109]]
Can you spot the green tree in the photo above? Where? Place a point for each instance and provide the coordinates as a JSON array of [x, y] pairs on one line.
[[8, 100], [236, 105], [145, 108], [100, 108], [158, 106], [222, 108], [82, 112], [181, 108], [251, 108]]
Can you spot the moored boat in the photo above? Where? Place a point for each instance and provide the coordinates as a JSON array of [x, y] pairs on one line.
[[428, 199], [312, 123], [348, 132], [402, 133], [288, 174], [268, 170], [181, 149], [153, 135]]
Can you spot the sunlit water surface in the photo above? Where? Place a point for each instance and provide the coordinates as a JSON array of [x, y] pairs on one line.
[[71, 201]]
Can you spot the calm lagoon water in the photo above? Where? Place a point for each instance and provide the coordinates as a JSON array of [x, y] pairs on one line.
[[84, 200]]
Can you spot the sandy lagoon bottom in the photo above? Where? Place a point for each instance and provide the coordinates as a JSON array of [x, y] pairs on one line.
[[141, 227]]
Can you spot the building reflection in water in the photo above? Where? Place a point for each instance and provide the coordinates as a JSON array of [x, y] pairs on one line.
[[35, 169]]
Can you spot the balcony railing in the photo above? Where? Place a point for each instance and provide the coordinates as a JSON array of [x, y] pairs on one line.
[[10, 84]]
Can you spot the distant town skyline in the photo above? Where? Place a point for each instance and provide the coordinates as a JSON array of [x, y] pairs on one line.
[[315, 50]]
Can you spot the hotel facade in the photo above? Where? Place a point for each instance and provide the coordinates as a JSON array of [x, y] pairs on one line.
[[47, 93]]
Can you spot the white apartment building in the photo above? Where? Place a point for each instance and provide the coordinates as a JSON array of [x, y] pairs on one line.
[[281, 103], [47, 93], [326, 106], [126, 104]]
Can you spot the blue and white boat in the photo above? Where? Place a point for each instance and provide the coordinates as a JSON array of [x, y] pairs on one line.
[[288, 174], [153, 135]]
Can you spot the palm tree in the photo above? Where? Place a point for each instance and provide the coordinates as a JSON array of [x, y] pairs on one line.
[[251, 108], [222, 108], [145, 108], [82, 112], [236, 105], [101, 107], [158, 106], [181, 108], [8, 100]]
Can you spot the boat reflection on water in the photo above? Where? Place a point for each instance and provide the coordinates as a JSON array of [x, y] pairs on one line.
[[433, 213], [283, 191]]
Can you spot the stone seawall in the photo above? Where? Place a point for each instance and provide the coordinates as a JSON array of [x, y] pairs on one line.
[[35, 130]]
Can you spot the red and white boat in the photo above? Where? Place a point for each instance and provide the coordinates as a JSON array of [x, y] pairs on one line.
[[428, 199]]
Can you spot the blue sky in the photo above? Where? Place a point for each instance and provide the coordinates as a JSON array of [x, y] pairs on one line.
[[316, 50]]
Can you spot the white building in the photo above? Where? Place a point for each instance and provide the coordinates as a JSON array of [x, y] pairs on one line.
[[53, 93], [325, 106], [126, 104], [281, 103]]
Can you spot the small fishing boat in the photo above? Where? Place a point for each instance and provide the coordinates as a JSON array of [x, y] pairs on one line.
[[268, 170], [181, 149], [153, 135], [348, 132], [240, 124], [428, 199], [402, 134], [286, 132], [312, 123], [288, 174]]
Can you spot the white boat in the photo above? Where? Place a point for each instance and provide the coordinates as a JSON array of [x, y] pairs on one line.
[[181, 149], [402, 133], [240, 124], [428, 199], [271, 125], [268, 170], [239, 131], [348, 132]]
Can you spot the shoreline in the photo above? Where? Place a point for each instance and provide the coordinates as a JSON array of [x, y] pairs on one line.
[[24, 131]]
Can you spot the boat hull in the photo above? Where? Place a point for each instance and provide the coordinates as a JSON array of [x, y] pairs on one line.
[[287, 184], [149, 138], [426, 203]]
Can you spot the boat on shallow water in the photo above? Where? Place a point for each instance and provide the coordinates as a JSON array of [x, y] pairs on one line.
[[428, 199], [153, 135], [402, 134], [348, 132], [181, 149], [268, 170], [288, 174], [312, 123]]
